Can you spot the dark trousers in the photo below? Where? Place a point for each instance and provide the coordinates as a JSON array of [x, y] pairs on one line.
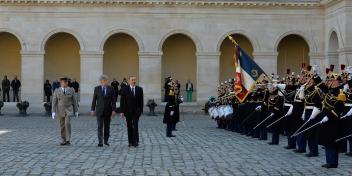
[[256, 133], [48, 98], [313, 146], [332, 156], [291, 141], [173, 128], [6, 96], [263, 134], [132, 130], [275, 137], [103, 125], [169, 129], [15, 96], [301, 143]]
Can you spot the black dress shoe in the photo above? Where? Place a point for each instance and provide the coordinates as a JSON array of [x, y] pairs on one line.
[[68, 143], [100, 145], [311, 155], [329, 166], [171, 136], [289, 147], [63, 143], [299, 151], [349, 154], [106, 143], [135, 145]]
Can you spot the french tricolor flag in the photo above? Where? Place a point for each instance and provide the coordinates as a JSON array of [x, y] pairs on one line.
[[247, 74]]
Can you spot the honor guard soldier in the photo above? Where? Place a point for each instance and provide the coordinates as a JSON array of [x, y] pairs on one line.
[[291, 90], [276, 105], [330, 128]]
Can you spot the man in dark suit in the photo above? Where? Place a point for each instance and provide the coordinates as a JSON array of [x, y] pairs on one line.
[[131, 105], [16, 84], [103, 107], [5, 89]]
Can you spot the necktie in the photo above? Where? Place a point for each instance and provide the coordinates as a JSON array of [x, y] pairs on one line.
[[133, 91], [64, 90], [104, 91]]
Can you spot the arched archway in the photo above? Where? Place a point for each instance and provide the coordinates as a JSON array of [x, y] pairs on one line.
[[10, 57], [227, 67], [333, 55], [120, 57], [62, 57], [179, 61], [292, 51]]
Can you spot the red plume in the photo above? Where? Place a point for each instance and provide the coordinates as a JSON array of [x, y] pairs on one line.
[[309, 68], [327, 70], [332, 67], [343, 66], [288, 71]]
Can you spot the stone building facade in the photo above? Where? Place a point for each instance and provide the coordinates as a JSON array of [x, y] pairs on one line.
[[152, 39]]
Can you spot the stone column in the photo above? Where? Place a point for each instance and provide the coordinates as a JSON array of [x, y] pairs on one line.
[[150, 75], [345, 56], [331, 58], [208, 72], [267, 60], [91, 69], [32, 73], [318, 59]]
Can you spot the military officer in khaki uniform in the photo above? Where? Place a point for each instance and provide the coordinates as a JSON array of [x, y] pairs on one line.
[[64, 106]]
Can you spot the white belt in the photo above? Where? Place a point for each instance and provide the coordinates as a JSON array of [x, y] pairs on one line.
[[298, 100], [288, 104], [348, 104], [309, 107]]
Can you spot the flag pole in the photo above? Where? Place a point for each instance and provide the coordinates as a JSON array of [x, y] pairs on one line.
[[232, 39]]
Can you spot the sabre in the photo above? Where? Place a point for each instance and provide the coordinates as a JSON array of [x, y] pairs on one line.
[[263, 121], [343, 138], [300, 128], [248, 117], [306, 129], [276, 121]]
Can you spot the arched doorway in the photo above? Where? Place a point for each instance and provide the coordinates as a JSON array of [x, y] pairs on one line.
[[62, 57], [179, 61], [227, 67], [333, 55], [10, 58], [120, 57], [292, 51]]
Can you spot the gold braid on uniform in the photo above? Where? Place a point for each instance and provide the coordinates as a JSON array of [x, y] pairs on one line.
[[329, 103]]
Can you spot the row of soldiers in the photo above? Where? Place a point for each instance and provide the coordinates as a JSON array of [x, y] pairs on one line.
[[306, 109]]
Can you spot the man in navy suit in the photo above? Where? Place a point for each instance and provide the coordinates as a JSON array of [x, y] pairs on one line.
[[131, 106], [103, 107]]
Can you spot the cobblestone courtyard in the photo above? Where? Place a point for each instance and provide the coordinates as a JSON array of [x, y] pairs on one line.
[[29, 146]]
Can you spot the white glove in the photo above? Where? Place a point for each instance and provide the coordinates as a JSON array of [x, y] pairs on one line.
[[303, 114], [289, 112], [345, 87], [314, 114], [301, 92], [53, 115], [325, 119], [258, 108], [349, 113], [77, 114], [172, 113]]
